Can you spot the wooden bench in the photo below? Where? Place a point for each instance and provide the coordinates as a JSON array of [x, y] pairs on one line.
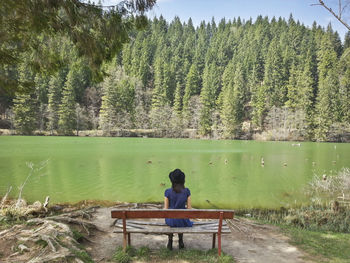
[[215, 228]]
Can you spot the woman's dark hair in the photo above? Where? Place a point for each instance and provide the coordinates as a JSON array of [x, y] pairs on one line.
[[177, 178]]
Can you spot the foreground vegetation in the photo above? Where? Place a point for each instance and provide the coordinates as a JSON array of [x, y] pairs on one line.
[[328, 209], [189, 255], [322, 229], [320, 246]]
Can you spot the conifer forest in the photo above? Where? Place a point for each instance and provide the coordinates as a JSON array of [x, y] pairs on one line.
[[266, 78]]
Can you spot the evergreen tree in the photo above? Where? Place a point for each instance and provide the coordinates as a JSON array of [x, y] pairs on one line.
[[25, 105], [211, 81], [347, 40], [344, 92], [232, 110], [178, 99], [67, 115], [118, 100], [192, 88], [161, 80], [274, 76], [327, 99], [293, 88], [54, 99], [211, 77]]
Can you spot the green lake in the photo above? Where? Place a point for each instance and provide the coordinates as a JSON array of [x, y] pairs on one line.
[[228, 174]]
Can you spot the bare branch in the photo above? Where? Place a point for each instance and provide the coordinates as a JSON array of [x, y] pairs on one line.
[[337, 16], [3, 200]]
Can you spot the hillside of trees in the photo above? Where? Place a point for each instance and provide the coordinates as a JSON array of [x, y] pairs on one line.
[[265, 78]]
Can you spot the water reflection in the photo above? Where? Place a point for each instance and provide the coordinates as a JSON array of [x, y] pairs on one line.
[[226, 174]]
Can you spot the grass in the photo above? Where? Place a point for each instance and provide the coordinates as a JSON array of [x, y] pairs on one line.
[[77, 235], [314, 218], [6, 222], [189, 255], [322, 240], [327, 247]]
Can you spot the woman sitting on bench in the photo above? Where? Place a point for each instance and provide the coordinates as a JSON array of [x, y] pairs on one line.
[[177, 197]]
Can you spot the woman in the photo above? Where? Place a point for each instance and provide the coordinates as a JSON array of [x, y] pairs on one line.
[[177, 197]]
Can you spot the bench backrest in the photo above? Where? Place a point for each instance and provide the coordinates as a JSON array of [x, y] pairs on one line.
[[173, 213]]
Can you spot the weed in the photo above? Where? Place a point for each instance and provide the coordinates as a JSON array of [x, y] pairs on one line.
[[121, 257], [325, 246], [83, 255], [77, 235], [143, 253], [41, 242], [189, 255]]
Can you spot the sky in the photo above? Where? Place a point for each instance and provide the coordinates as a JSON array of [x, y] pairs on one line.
[[200, 10]]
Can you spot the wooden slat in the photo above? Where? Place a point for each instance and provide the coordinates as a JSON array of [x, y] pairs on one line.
[[172, 213], [171, 230], [153, 223], [150, 229]]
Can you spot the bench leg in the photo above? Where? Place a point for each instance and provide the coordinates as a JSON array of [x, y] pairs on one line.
[[129, 239], [219, 233], [125, 237], [214, 237], [124, 232]]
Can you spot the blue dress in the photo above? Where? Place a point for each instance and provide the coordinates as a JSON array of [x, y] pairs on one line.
[[177, 201]]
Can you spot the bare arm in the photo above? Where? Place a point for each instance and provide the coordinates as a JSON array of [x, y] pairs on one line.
[[166, 203], [189, 205]]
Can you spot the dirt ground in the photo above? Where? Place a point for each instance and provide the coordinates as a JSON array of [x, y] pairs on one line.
[[256, 244]]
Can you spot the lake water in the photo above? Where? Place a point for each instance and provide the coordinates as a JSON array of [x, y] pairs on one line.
[[228, 174]]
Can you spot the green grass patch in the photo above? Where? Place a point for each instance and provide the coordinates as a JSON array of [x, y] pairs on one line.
[[189, 255], [314, 218], [77, 235], [7, 222], [83, 255], [327, 247], [41, 242]]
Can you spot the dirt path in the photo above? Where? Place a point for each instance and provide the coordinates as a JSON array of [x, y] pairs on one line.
[[264, 243]]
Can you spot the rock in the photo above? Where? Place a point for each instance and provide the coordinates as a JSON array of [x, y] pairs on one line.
[[37, 205], [69, 209], [21, 203], [23, 248], [78, 260], [56, 208]]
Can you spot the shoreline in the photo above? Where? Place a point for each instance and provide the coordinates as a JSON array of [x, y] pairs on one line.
[[153, 133]]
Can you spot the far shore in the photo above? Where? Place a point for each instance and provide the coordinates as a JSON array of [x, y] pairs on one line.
[[185, 134]]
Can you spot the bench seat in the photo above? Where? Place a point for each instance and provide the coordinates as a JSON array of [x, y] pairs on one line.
[[151, 227], [127, 226]]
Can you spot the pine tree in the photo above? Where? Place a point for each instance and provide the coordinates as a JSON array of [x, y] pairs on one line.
[[211, 81], [192, 88], [232, 110], [118, 100], [259, 99], [66, 113], [347, 41], [25, 105], [344, 91], [327, 101], [56, 84], [307, 94], [178, 99], [293, 88], [274, 76], [161, 80]]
